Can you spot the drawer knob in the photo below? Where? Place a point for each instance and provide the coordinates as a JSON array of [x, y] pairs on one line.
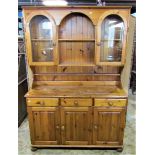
[[76, 103], [110, 103], [41, 103]]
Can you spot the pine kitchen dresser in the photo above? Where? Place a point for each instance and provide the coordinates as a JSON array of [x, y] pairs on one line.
[[78, 60]]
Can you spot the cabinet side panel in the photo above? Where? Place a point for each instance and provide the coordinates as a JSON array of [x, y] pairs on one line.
[[125, 74]]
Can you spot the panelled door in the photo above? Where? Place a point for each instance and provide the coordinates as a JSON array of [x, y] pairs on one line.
[[44, 125], [108, 126], [76, 125]]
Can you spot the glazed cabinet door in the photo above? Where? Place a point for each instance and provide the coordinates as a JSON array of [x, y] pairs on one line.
[[76, 125], [44, 125], [108, 126], [111, 41], [41, 40]]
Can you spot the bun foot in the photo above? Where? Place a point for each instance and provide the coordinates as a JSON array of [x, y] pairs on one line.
[[119, 149], [33, 149]]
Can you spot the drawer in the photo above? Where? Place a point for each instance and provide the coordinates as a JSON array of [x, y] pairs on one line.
[[42, 102], [76, 102], [111, 102]]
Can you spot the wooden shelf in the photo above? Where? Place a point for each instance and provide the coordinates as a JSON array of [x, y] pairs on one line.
[[41, 39], [111, 40], [77, 74], [76, 64], [76, 40]]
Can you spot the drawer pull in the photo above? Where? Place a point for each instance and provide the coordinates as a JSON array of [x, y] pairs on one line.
[[76, 103], [41, 103], [110, 103], [62, 127]]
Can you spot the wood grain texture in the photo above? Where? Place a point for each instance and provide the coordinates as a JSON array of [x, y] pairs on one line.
[[108, 124], [74, 102], [74, 73], [42, 102], [43, 124], [111, 102], [76, 123], [73, 29], [85, 91], [126, 71]]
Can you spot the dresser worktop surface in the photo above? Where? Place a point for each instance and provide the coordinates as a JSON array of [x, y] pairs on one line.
[[77, 91]]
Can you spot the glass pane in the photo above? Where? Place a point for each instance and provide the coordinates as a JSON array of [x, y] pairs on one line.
[[42, 51], [41, 39], [112, 30]]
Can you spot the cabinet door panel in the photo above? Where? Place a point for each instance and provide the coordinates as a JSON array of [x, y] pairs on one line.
[[44, 125], [111, 40], [76, 125], [109, 126], [40, 39]]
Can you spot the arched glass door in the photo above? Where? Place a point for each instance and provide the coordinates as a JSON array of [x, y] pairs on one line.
[[112, 36], [41, 34]]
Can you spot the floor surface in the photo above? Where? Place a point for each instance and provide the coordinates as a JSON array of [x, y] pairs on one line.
[[129, 139]]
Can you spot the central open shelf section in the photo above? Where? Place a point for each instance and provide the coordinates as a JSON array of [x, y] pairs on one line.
[[76, 41]]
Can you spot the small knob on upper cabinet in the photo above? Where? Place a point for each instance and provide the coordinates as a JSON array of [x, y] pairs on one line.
[[62, 127], [57, 127], [44, 52], [54, 44], [98, 44]]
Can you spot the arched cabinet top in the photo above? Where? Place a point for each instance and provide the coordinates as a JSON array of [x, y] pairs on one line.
[[76, 25], [112, 12], [40, 13], [75, 12]]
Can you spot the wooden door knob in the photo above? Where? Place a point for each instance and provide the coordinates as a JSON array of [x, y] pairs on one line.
[[62, 127], [44, 52], [57, 127], [95, 127], [98, 44]]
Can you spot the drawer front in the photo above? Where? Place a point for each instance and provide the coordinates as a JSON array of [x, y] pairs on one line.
[[42, 102], [76, 102], [111, 102]]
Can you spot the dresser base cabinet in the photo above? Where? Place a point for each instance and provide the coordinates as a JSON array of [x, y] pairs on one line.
[[70, 122]]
